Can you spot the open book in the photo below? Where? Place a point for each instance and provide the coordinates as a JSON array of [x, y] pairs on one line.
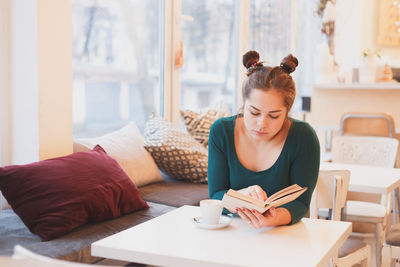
[[234, 199]]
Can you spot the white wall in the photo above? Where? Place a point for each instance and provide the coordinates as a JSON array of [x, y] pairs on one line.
[[356, 30], [36, 80], [5, 133], [5, 139], [24, 82], [54, 34]]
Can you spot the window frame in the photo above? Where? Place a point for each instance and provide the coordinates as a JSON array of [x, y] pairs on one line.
[[173, 36]]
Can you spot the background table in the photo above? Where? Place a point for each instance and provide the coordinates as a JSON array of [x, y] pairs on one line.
[[174, 240], [368, 179]]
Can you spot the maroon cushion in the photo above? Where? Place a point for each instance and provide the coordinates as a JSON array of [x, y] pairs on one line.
[[54, 196]]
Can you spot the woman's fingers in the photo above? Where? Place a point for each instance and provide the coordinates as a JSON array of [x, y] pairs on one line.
[[272, 211], [243, 215], [256, 219], [264, 195], [253, 219], [259, 192], [259, 217], [253, 193]]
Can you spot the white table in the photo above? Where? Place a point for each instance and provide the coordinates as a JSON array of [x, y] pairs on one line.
[[371, 179], [174, 240], [368, 179]]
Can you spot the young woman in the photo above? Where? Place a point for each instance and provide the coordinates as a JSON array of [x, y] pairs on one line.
[[261, 150]]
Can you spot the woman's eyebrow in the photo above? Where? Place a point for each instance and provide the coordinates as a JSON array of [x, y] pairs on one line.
[[254, 107], [272, 111]]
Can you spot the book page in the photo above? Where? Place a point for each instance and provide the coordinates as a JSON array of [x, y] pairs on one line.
[[287, 198], [284, 192], [246, 198], [231, 203]]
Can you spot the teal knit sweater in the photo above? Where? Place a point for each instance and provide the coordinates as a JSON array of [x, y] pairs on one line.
[[298, 163]]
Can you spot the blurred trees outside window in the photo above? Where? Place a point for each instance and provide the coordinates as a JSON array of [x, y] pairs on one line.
[[118, 63], [210, 53]]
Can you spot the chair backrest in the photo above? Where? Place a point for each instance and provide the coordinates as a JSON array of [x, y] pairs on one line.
[[368, 150], [367, 124], [330, 192]]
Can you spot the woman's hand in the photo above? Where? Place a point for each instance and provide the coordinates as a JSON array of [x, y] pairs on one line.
[[256, 219], [254, 191]]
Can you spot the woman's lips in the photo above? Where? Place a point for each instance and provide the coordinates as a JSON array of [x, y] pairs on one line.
[[260, 133]]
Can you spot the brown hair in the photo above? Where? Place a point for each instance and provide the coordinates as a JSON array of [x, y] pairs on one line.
[[265, 78]]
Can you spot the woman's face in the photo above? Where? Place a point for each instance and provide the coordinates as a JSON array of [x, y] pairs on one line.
[[264, 113]]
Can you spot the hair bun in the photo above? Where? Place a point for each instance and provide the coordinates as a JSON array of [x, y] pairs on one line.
[[250, 58], [289, 63]]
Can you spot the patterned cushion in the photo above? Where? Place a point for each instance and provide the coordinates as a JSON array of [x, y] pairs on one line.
[[175, 152], [198, 124]]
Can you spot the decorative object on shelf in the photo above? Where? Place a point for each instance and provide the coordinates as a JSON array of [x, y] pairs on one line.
[[396, 74], [356, 75], [325, 60], [368, 66], [387, 75], [328, 23], [345, 75], [389, 23]]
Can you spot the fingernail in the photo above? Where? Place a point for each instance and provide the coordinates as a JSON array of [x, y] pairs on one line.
[[253, 210]]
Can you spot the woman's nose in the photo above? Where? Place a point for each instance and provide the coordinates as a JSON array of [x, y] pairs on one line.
[[262, 122]]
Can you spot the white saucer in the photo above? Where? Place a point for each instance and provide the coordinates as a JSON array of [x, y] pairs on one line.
[[223, 222]]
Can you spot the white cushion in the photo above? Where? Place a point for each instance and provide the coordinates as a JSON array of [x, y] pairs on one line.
[[126, 146], [367, 209], [23, 257], [3, 203]]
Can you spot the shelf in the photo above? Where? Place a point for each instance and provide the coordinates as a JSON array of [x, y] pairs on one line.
[[359, 86]]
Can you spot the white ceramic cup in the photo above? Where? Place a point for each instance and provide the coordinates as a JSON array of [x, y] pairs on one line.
[[211, 210]]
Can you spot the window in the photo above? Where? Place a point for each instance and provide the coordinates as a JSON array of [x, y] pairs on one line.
[[271, 34], [209, 34], [270, 29], [308, 36], [118, 57], [116, 64]]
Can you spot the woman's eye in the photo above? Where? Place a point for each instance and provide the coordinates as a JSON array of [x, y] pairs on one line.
[[254, 113], [273, 117]]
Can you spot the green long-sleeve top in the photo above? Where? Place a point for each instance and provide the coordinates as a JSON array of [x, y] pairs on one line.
[[298, 163]]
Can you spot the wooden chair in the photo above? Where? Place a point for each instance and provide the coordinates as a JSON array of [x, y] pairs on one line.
[[370, 124], [377, 151], [330, 193], [391, 248], [367, 124], [365, 150]]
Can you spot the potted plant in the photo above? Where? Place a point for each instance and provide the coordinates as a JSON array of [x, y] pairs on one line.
[[368, 66]]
